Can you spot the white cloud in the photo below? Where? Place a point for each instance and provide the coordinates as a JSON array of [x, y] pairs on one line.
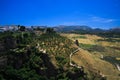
[[102, 20]]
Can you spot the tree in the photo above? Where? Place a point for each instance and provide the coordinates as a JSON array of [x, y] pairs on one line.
[[50, 30], [22, 28], [77, 42]]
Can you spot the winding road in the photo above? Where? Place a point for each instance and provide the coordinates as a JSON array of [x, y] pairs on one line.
[[75, 65], [71, 64]]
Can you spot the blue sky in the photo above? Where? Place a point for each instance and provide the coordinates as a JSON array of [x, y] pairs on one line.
[[94, 13]]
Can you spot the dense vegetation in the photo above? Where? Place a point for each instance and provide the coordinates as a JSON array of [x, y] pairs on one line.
[[27, 56]]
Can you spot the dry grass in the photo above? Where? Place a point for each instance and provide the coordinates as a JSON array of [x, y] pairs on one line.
[[91, 61], [118, 59], [94, 64], [92, 39], [110, 44]]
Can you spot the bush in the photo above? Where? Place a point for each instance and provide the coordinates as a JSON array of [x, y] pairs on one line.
[[61, 60]]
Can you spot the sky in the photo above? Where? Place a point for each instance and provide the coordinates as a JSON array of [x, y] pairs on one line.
[[94, 13]]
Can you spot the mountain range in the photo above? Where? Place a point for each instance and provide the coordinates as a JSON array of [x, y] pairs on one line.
[[74, 28]]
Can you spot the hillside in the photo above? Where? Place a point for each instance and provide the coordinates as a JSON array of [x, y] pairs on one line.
[[29, 56], [98, 54], [47, 55]]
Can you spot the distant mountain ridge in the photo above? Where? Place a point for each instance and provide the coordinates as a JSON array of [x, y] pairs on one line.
[[117, 29], [83, 28], [64, 28]]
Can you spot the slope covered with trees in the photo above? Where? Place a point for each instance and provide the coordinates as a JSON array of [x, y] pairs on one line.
[[27, 56]]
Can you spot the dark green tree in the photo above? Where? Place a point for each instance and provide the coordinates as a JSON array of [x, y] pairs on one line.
[[22, 28], [77, 42]]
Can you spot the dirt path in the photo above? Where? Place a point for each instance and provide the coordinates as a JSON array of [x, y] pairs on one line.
[[71, 64], [75, 65]]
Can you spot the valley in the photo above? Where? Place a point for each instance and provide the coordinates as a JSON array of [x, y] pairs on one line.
[[49, 55], [59, 39]]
